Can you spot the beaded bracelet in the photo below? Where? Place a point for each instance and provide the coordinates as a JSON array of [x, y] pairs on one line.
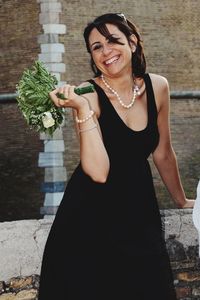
[[88, 129], [91, 113]]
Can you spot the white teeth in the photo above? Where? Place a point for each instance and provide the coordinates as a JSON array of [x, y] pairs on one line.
[[113, 59]]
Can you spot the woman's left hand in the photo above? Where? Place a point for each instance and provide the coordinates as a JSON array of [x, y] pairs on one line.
[[189, 203]]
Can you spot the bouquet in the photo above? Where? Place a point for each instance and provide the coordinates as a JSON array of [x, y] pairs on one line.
[[34, 101]]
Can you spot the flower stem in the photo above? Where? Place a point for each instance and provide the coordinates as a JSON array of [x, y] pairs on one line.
[[79, 91]]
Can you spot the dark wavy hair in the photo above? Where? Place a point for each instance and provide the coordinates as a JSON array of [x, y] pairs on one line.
[[125, 26]]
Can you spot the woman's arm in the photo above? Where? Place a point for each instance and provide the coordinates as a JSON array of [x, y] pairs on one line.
[[93, 155], [164, 156]]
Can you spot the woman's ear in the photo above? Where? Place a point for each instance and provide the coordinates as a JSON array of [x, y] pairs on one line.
[[133, 42]]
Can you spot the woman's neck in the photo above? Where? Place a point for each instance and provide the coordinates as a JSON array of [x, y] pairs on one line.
[[120, 83]]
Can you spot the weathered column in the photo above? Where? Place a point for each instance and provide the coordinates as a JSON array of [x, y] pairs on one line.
[[52, 157]]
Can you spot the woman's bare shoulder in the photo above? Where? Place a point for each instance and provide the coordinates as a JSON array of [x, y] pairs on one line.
[[161, 89], [159, 81]]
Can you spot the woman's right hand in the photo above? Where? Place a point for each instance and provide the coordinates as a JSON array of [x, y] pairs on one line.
[[72, 99]]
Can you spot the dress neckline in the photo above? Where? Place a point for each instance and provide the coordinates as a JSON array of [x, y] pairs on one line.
[[109, 104]]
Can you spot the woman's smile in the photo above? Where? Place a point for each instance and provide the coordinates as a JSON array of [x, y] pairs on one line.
[[112, 60]]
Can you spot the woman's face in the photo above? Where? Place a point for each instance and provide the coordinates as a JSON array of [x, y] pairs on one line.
[[110, 58]]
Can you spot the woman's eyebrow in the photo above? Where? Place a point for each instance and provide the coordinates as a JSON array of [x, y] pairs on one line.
[[110, 35], [94, 43]]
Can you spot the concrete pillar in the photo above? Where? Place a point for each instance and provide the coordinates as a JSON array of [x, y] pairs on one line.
[[52, 157]]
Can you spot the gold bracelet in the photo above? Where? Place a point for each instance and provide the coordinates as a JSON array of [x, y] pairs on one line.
[[91, 113], [88, 129]]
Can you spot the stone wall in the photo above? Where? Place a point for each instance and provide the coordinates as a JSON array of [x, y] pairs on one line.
[[183, 254], [22, 244]]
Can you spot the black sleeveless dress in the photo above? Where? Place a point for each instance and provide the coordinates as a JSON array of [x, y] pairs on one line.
[[107, 240]]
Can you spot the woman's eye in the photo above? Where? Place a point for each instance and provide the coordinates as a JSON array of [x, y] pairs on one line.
[[97, 47]]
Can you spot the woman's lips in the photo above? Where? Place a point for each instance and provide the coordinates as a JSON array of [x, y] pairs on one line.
[[111, 60]]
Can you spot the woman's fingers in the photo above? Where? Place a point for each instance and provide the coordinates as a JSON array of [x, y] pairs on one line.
[[53, 96], [65, 91], [71, 93], [61, 90], [71, 98]]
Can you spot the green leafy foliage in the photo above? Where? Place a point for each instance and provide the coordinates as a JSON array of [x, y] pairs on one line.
[[33, 98]]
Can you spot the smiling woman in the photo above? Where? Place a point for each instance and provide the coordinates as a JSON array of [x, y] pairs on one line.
[[107, 232], [124, 32], [113, 51]]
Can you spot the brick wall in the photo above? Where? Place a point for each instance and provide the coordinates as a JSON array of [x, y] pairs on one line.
[[19, 27], [170, 30], [171, 40], [185, 124], [20, 177]]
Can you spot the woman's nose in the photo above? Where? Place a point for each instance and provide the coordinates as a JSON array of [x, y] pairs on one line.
[[106, 49]]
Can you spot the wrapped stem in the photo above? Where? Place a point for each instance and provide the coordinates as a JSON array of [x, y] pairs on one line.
[[79, 91]]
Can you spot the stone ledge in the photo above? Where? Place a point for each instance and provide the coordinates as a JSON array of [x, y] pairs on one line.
[[22, 243], [180, 234], [21, 247]]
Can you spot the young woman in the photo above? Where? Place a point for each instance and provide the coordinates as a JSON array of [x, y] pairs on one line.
[[106, 241]]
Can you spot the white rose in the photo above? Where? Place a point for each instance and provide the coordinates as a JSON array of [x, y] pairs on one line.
[[48, 120]]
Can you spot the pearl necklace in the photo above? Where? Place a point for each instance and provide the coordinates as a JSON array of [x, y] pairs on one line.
[[136, 92]]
